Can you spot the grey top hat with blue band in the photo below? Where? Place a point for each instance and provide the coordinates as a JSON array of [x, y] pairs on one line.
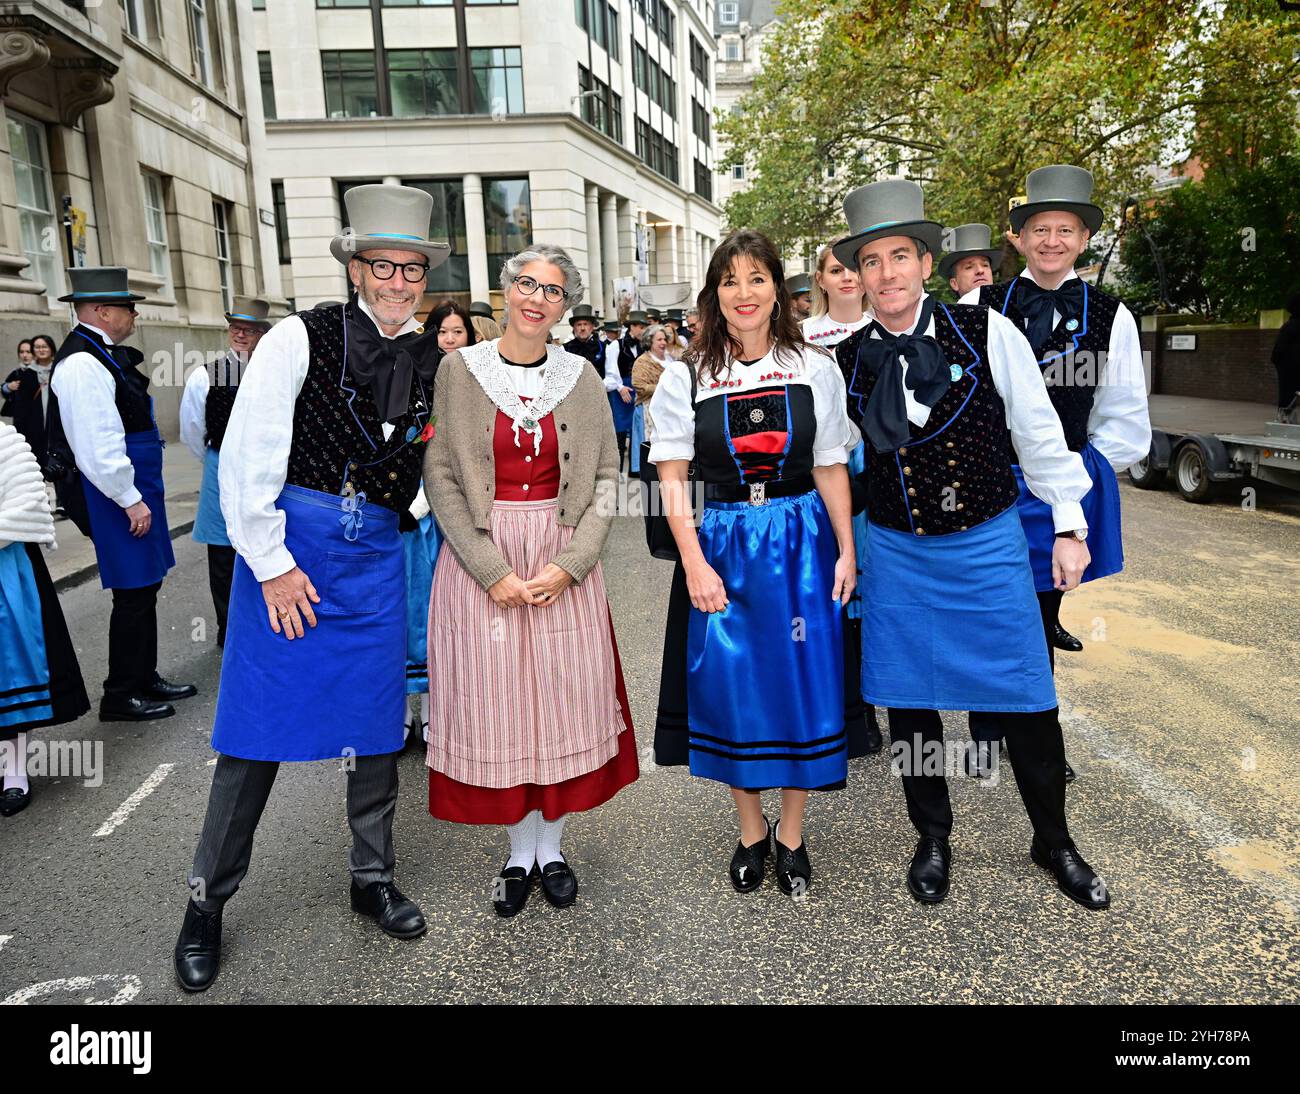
[[970, 241], [99, 285], [798, 283], [891, 207], [1058, 188], [382, 217], [252, 310]]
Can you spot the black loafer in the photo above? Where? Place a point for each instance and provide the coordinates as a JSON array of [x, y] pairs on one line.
[[122, 708], [166, 692], [559, 884], [1074, 877], [510, 889], [793, 870], [1070, 776], [398, 917], [14, 801], [927, 877], [875, 740], [198, 949], [747, 864], [1064, 640]]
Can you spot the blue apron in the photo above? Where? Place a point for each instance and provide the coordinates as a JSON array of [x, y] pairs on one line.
[[638, 436], [1100, 510], [952, 623], [24, 669], [421, 548], [209, 523], [338, 691], [622, 411], [126, 562]]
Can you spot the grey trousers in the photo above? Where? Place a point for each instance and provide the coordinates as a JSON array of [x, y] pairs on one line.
[[240, 789]]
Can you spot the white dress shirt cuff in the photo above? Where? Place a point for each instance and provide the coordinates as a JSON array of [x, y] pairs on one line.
[[129, 498], [275, 562], [1067, 516]]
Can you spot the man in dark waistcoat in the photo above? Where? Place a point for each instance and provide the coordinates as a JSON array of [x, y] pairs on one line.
[[1087, 347], [206, 403], [949, 617], [973, 260], [620, 356], [105, 451], [321, 456], [584, 342]]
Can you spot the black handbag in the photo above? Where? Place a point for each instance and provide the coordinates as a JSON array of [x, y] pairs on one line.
[[658, 535]]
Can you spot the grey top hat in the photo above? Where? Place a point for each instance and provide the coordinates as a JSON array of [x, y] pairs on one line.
[[99, 285], [250, 309], [798, 283], [385, 217], [582, 311], [1059, 187], [637, 317], [675, 314], [483, 308], [611, 325], [891, 207], [969, 241]]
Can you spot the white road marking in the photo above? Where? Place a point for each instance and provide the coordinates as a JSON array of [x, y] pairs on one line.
[[3, 939], [129, 806], [128, 987]]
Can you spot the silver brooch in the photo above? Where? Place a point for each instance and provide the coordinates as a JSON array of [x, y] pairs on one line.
[[756, 415]]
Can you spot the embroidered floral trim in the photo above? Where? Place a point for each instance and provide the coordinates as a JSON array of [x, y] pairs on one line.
[[563, 370]]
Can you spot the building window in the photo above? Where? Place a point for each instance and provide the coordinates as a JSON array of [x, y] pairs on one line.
[[281, 209], [731, 50], [700, 119], [649, 77], [155, 228], [738, 171], [655, 150], [703, 181], [351, 89], [508, 215], [268, 86], [446, 224], [36, 220], [259, 5], [729, 14], [699, 61], [200, 46], [133, 19], [600, 20], [400, 3], [225, 268], [343, 3], [497, 80], [603, 111], [423, 81]]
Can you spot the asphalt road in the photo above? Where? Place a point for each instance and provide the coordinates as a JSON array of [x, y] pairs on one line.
[[1180, 716]]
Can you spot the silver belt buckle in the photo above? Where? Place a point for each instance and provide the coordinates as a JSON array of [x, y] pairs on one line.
[[758, 493]]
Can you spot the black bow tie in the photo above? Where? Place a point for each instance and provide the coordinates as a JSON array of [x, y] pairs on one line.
[[388, 365], [1037, 304], [884, 420]]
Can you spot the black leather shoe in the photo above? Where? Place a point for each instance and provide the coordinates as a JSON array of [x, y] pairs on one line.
[[198, 950], [747, 864], [121, 708], [166, 692], [1064, 640], [1074, 877], [559, 884], [510, 890], [14, 801], [927, 877], [397, 916], [875, 740], [1070, 776], [793, 870]]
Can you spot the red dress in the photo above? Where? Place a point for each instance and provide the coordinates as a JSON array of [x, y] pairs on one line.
[[523, 476]]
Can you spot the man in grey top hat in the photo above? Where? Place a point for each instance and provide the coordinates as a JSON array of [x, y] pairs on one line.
[[800, 288], [321, 460], [105, 447], [972, 260]]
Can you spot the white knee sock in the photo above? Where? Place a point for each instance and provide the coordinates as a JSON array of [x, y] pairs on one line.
[[548, 839], [424, 716], [523, 841], [13, 756]]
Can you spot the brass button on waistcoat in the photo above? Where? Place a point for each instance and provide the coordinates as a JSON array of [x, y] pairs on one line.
[[392, 476], [388, 495], [960, 506], [952, 463], [907, 470], [956, 486], [916, 512], [920, 531], [902, 451], [911, 491], [949, 444]]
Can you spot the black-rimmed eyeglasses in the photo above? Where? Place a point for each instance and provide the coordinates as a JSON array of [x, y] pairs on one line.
[[553, 293], [383, 269]]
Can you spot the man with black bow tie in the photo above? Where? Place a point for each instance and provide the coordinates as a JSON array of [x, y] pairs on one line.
[[949, 618], [321, 461], [1087, 347], [107, 454]]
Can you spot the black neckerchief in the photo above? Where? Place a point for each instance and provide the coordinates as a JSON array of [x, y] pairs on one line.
[[388, 365], [1037, 304], [884, 421]]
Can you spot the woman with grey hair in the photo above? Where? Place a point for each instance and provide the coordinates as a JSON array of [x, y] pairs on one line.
[[655, 343], [529, 719]]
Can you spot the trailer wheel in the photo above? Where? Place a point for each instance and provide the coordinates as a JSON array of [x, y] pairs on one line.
[[1192, 473]]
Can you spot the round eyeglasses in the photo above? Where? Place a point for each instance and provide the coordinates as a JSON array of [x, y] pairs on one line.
[[383, 269], [553, 293]]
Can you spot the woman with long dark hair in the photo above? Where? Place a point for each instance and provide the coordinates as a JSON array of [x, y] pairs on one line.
[[754, 644]]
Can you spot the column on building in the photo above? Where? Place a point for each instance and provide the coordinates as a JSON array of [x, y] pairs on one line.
[[480, 285], [666, 246], [610, 262], [626, 237], [595, 263], [313, 215]]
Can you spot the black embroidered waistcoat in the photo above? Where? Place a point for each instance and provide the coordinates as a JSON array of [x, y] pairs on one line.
[[629, 349], [130, 385], [954, 472], [591, 348], [223, 386], [338, 438], [1071, 361]]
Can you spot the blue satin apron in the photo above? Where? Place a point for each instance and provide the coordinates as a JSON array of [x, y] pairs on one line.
[[952, 623], [622, 411], [638, 436], [420, 548], [209, 522], [1101, 511], [126, 562], [24, 668], [338, 691]]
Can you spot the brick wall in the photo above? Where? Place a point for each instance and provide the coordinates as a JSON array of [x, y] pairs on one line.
[[1228, 363]]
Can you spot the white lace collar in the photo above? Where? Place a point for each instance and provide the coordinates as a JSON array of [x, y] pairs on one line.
[[562, 370]]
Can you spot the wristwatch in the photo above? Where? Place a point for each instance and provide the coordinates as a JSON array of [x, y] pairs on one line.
[[1080, 534]]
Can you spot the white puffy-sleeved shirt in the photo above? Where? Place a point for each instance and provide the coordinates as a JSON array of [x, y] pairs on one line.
[[255, 450], [88, 408], [1119, 424], [674, 413], [1052, 472], [194, 412], [822, 330]]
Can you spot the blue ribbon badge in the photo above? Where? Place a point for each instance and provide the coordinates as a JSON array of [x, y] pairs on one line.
[[352, 518]]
